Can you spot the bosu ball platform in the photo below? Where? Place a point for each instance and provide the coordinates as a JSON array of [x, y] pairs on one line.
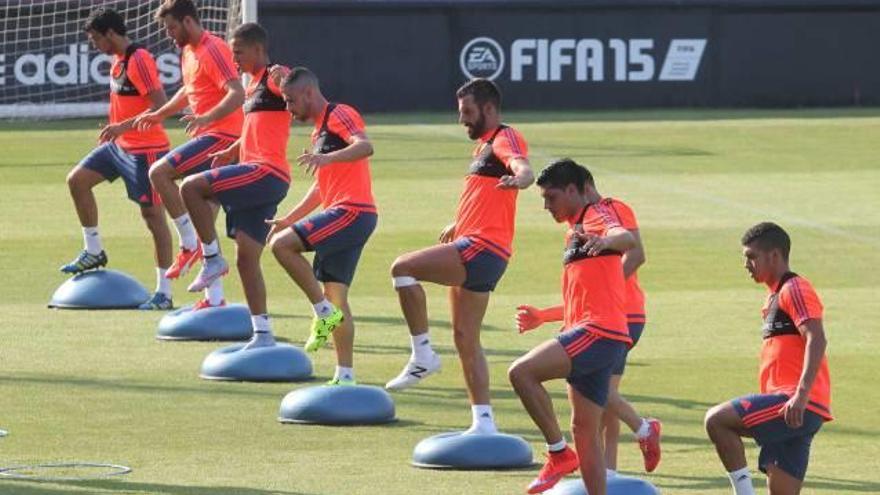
[[337, 405], [617, 485], [277, 363], [99, 289], [457, 450], [230, 322]]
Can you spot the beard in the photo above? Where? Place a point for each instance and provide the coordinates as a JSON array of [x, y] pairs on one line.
[[478, 128]]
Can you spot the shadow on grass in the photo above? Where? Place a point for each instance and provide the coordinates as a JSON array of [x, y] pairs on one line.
[[396, 321], [699, 483], [118, 486]]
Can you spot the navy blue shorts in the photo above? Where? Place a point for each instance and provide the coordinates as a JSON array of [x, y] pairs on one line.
[[781, 446], [592, 359], [249, 194], [113, 162], [193, 157], [483, 268], [337, 236], [635, 333]]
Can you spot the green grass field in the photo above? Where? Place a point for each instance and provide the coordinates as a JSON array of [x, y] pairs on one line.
[[97, 386]]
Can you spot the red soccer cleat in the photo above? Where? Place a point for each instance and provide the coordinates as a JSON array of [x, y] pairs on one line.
[[185, 260], [558, 465], [650, 445], [203, 304]]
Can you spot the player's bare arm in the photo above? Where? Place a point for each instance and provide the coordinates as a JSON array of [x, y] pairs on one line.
[[616, 239], [522, 176], [310, 201], [231, 102], [112, 131], [358, 148], [814, 332], [634, 257], [177, 103]]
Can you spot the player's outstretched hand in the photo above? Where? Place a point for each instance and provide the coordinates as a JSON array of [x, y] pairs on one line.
[[311, 161], [109, 133], [224, 157], [793, 410], [508, 182], [592, 244], [278, 73], [146, 120], [193, 123], [528, 318], [447, 234]]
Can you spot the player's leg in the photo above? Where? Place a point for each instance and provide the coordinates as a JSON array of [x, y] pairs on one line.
[[725, 428], [154, 218], [95, 168], [586, 416], [468, 309], [248, 253], [343, 335], [288, 249], [197, 192], [442, 265], [780, 482]]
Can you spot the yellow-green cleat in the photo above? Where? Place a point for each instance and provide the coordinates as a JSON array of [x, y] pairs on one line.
[[322, 328], [344, 382]]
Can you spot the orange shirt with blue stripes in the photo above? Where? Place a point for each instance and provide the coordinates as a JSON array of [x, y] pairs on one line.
[[345, 184], [265, 132], [593, 287], [635, 297], [141, 72], [207, 67], [782, 356], [486, 213]]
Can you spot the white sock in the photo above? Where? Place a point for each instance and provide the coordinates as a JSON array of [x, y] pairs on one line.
[[741, 481], [556, 447], [92, 240], [163, 285], [186, 232], [260, 323], [482, 418], [214, 292], [343, 372], [421, 347], [323, 308], [211, 249], [644, 430], [610, 473]]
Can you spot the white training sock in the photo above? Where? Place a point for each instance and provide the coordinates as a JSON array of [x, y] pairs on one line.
[[260, 323], [421, 347], [214, 292], [482, 419], [92, 240], [163, 284], [186, 232], [344, 373], [644, 430], [556, 447], [741, 481], [323, 308], [211, 249]]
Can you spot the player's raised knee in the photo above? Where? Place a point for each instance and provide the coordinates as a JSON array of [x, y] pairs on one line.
[[160, 170], [517, 373]]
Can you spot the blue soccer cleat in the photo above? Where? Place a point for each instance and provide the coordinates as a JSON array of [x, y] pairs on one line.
[[85, 261], [159, 301]]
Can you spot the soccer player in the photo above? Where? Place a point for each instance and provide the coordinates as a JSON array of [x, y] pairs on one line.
[[250, 190], [795, 387], [212, 89], [595, 336], [343, 189], [473, 251], [123, 151], [646, 430]]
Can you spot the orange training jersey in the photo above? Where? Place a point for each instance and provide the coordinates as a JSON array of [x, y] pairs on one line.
[[485, 213], [266, 126], [132, 77], [782, 355], [206, 68], [346, 184], [635, 298], [593, 288]]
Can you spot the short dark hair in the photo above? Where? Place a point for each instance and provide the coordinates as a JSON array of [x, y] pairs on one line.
[[483, 90], [768, 236], [178, 9], [300, 75], [252, 33], [564, 172], [103, 19]]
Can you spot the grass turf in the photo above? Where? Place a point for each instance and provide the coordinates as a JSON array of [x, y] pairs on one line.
[[96, 386]]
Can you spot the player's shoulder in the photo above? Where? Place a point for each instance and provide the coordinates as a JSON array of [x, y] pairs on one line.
[[799, 285], [142, 54], [348, 116], [345, 110], [510, 133]]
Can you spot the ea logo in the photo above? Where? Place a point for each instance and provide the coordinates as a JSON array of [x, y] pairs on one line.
[[482, 57]]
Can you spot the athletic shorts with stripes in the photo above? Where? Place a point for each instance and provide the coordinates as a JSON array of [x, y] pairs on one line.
[[483, 268], [592, 359], [133, 166], [781, 446], [249, 194], [337, 235], [635, 333], [193, 156]]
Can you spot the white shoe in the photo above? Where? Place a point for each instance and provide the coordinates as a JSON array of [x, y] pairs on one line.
[[414, 372], [482, 429], [260, 339]]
